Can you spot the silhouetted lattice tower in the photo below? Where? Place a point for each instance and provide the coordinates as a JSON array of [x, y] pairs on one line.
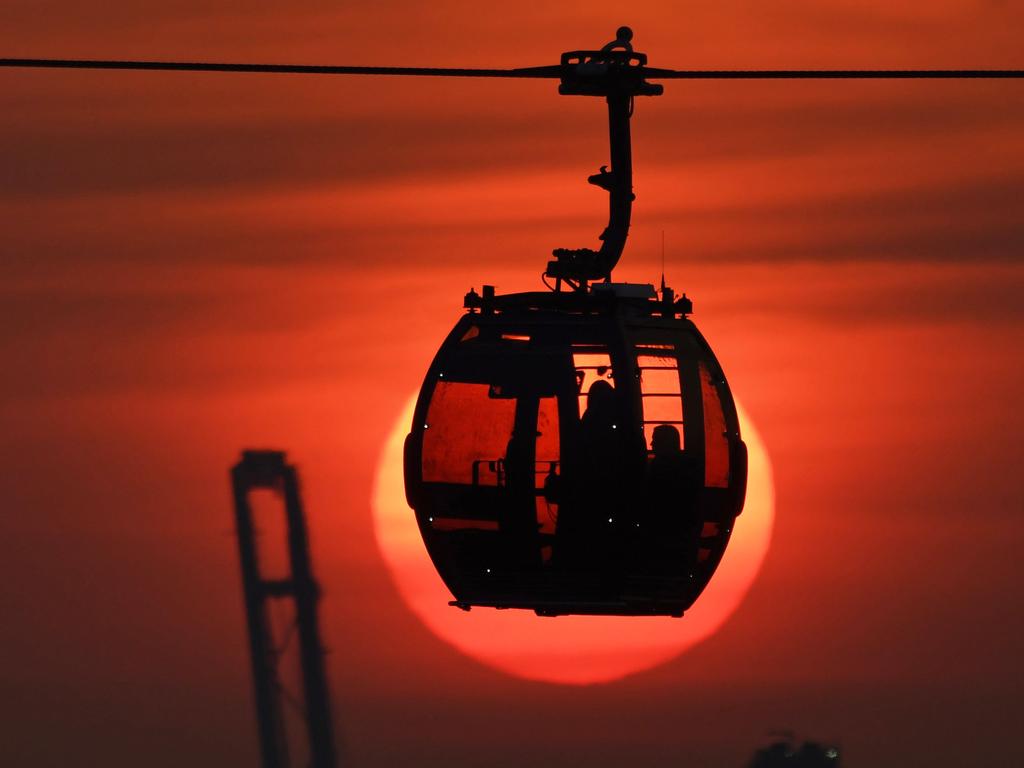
[[268, 470]]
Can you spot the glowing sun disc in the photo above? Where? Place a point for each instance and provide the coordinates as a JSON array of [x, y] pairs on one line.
[[567, 649]]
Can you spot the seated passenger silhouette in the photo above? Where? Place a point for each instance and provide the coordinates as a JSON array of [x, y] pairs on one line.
[[669, 525]]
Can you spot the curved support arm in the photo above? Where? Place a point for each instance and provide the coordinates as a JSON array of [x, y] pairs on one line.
[[617, 76], [578, 266], [619, 186]]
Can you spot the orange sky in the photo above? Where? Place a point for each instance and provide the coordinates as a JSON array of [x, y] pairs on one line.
[[195, 263]]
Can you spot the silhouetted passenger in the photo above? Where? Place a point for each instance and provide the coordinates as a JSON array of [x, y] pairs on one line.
[[668, 527], [598, 421], [601, 452], [588, 527]]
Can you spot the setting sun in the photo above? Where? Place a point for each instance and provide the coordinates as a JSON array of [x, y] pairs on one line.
[[566, 649]]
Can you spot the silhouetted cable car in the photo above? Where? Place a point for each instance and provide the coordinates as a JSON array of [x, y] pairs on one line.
[[576, 453], [578, 450]]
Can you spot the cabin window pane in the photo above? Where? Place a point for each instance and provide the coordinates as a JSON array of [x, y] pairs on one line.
[[716, 443], [466, 434], [660, 393]]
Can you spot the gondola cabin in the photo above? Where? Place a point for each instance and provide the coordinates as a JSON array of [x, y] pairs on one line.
[[576, 452]]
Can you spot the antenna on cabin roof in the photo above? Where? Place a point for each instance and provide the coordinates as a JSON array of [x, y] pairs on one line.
[[663, 261]]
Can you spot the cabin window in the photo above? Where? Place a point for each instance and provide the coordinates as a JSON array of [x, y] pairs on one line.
[[716, 441], [660, 392], [466, 434]]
